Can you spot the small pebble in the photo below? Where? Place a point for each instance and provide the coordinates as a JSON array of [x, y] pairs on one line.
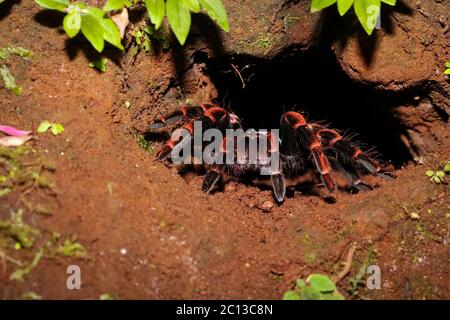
[[267, 206], [123, 251]]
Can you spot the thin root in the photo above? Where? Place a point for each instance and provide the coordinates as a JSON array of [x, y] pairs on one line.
[[347, 264]]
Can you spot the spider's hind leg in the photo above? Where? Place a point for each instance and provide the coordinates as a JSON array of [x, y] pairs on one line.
[[349, 172], [346, 152]]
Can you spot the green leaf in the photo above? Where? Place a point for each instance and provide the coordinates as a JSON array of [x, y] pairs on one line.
[[317, 5], [309, 293], [179, 18], [440, 174], [192, 5], [91, 27], [447, 167], [436, 180], [100, 65], [344, 6], [56, 129], [216, 10], [9, 81], [429, 173], [72, 23], [321, 283], [112, 5], [111, 33], [334, 296], [447, 64], [155, 9], [300, 283], [291, 295], [390, 2], [100, 14], [368, 12], [44, 126], [447, 72], [59, 5]]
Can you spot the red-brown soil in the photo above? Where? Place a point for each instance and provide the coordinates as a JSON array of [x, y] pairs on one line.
[[178, 241]]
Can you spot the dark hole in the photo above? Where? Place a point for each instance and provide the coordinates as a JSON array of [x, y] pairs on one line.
[[314, 84]]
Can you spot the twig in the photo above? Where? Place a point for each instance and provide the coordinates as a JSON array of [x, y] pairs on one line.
[[4, 256], [347, 264], [239, 74]]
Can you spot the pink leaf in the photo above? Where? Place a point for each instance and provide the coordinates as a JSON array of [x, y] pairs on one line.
[[11, 131], [14, 141]]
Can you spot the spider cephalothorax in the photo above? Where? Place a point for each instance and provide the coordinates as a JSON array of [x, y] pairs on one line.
[[301, 145]]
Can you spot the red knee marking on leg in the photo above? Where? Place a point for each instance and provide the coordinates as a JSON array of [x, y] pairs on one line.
[[189, 127], [185, 109], [294, 119], [357, 153], [336, 136], [166, 149], [206, 106], [171, 143], [214, 113], [315, 144]]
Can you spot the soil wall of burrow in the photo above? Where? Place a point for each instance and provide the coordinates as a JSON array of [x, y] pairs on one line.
[[388, 88]]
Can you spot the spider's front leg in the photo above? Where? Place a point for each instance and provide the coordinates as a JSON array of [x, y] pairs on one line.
[[210, 117], [295, 126], [183, 114]]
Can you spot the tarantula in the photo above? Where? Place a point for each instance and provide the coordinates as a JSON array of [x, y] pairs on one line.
[[300, 144]]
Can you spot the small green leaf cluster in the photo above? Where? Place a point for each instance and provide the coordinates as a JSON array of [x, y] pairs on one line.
[[447, 70], [367, 11], [9, 81], [316, 287], [99, 64], [142, 38], [55, 128], [437, 176], [91, 21]]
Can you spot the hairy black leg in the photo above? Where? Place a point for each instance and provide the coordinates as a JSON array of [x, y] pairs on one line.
[[350, 153], [185, 113], [351, 175]]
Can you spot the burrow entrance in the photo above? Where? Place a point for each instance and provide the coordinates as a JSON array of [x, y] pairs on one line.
[[260, 90]]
